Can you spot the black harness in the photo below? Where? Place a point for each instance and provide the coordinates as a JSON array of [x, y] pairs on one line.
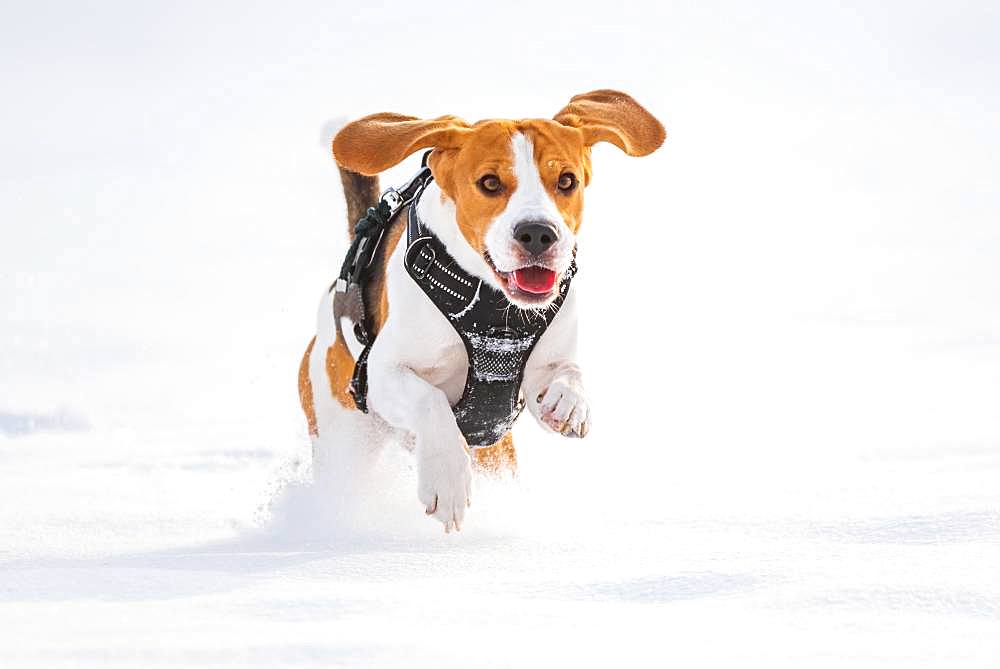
[[498, 335]]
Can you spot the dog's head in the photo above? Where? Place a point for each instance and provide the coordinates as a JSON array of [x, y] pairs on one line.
[[516, 186]]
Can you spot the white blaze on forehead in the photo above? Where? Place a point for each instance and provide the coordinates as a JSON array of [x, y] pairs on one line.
[[530, 201]]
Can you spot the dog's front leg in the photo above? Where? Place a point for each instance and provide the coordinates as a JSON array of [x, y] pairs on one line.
[[557, 400], [553, 385], [444, 468]]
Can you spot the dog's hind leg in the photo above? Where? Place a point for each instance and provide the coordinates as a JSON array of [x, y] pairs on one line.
[[346, 447], [345, 441], [306, 391]]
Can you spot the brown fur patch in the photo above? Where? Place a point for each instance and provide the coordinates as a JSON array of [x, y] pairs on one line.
[[339, 370], [498, 458], [306, 391]]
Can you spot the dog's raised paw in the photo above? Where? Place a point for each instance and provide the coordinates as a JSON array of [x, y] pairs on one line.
[[563, 408], [444, 485]]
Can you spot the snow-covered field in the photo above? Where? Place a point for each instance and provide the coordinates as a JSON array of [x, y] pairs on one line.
[[791, 336]]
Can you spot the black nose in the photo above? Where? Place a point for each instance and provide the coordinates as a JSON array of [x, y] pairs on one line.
[[536, 236]]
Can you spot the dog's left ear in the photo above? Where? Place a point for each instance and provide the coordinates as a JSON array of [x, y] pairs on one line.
[[613, 116]]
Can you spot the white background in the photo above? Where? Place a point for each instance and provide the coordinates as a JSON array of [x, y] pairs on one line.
[[790, 335]]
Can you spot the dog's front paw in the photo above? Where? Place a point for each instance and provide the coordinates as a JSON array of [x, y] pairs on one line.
[[563, 408], [444, 483]]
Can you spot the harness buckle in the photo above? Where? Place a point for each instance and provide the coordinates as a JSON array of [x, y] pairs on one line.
[[393, 199], [418, 271]]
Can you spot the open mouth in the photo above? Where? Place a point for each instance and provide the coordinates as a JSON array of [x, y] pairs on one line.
[[533, 283], [536, 280]]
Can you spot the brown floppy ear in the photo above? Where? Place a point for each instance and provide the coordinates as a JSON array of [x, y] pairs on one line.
[[375, 143], [613, 116]]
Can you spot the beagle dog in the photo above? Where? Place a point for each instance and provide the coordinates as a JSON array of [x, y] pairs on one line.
[[506, 201]]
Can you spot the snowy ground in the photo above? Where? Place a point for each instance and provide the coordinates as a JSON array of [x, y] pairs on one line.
[[796, 454]]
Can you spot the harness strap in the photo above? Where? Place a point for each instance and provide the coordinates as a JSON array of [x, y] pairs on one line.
[[373, 224], [434, 269]]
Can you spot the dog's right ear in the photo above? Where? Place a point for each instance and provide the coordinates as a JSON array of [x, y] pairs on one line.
[[375, 143]]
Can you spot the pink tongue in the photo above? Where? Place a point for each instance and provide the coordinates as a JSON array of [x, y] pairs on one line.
[[535, 279]]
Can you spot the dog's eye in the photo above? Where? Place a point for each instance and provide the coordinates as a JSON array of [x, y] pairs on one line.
[[490, 184], [567, 182]]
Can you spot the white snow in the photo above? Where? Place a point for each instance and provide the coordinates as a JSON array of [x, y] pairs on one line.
[[796, 449]]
